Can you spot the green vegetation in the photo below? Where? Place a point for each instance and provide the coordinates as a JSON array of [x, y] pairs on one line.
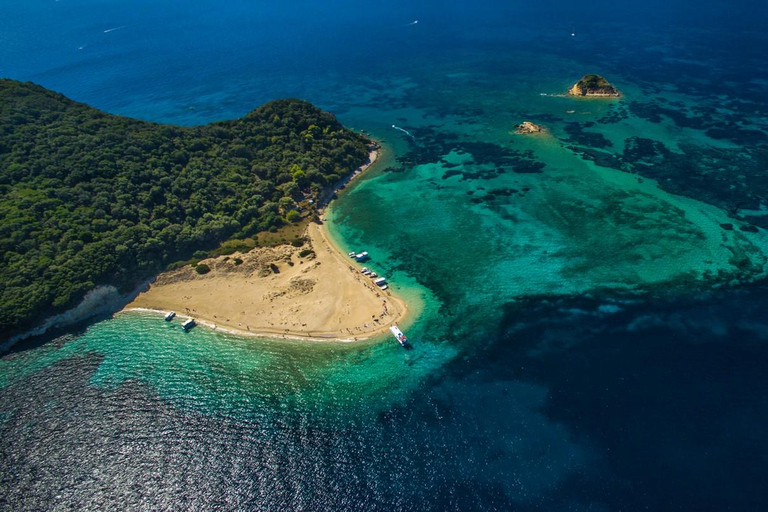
[[88, 198], [594, 82], [284, 235], [293, 216], [202, 268], [232, 246]]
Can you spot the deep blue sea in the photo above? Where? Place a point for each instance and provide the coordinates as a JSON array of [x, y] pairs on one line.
[[591, 330]]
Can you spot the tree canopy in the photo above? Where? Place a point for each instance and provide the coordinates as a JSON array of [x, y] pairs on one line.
[[90, 198]]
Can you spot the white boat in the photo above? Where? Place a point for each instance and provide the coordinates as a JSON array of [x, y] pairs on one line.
[[365, 271], [352, 254], [188, 324], [373, 275], [398, 334], [362, 256], [169, 316], [380, 281]]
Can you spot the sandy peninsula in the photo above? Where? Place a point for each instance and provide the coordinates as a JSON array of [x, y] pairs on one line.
[[310, 292]]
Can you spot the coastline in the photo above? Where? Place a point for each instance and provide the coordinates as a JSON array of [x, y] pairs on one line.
[[373, 156], [336, 303], [102, 300]]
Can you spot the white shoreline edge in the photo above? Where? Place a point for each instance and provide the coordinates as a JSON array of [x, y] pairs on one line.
[[248, 334]]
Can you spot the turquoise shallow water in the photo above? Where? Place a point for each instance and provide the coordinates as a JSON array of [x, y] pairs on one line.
[[225, 374], [587, 337]]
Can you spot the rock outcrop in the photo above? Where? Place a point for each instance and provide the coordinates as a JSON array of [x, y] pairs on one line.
[[594, 85], [528, 127]]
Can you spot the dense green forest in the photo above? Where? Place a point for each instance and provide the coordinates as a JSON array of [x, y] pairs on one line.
[[89, 198]]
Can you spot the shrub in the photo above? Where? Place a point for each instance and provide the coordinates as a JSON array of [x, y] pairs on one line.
[[293, 216], [202, 268]]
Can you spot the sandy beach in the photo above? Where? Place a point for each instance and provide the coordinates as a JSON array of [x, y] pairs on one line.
[[280, 292]]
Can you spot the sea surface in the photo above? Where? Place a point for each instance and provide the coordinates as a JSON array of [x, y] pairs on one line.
[[589, 328]]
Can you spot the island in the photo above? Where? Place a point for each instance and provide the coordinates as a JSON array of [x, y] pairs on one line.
[[92, 201], [594, 86], [527, 127]]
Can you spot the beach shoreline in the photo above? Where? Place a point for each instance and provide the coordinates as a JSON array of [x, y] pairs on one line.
[[278, 294]]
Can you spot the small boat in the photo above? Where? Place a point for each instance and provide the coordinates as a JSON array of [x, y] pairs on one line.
[[399, 336], [373, 275], [169, 316], [363, 256], [188, 324], [384, 287], [380, 281], [365, 271], [352, 254]]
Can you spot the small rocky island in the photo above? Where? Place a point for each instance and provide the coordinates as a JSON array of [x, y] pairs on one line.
[[594, 85], [528, 127]]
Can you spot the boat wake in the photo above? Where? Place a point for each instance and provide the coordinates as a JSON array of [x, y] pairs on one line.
[[113, 29], [404, 131]]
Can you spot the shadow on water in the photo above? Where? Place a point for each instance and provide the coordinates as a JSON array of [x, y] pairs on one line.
[[57, 336]]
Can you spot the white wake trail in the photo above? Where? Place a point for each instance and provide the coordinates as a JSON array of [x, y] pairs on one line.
[[404, 131], [113, 29]]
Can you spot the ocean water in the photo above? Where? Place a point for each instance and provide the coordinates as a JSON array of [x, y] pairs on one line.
[[589, 328]]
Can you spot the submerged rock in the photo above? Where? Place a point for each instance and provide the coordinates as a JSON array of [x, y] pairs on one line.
[[594, 85]]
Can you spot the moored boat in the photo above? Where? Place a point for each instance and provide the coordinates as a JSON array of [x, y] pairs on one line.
[[169, 316], [398, 334], [188, 324], [363, 256]]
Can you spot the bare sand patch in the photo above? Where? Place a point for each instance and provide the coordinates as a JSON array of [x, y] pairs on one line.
[[276, 292]]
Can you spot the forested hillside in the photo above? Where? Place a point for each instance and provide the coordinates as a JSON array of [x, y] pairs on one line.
[[90, 198]]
